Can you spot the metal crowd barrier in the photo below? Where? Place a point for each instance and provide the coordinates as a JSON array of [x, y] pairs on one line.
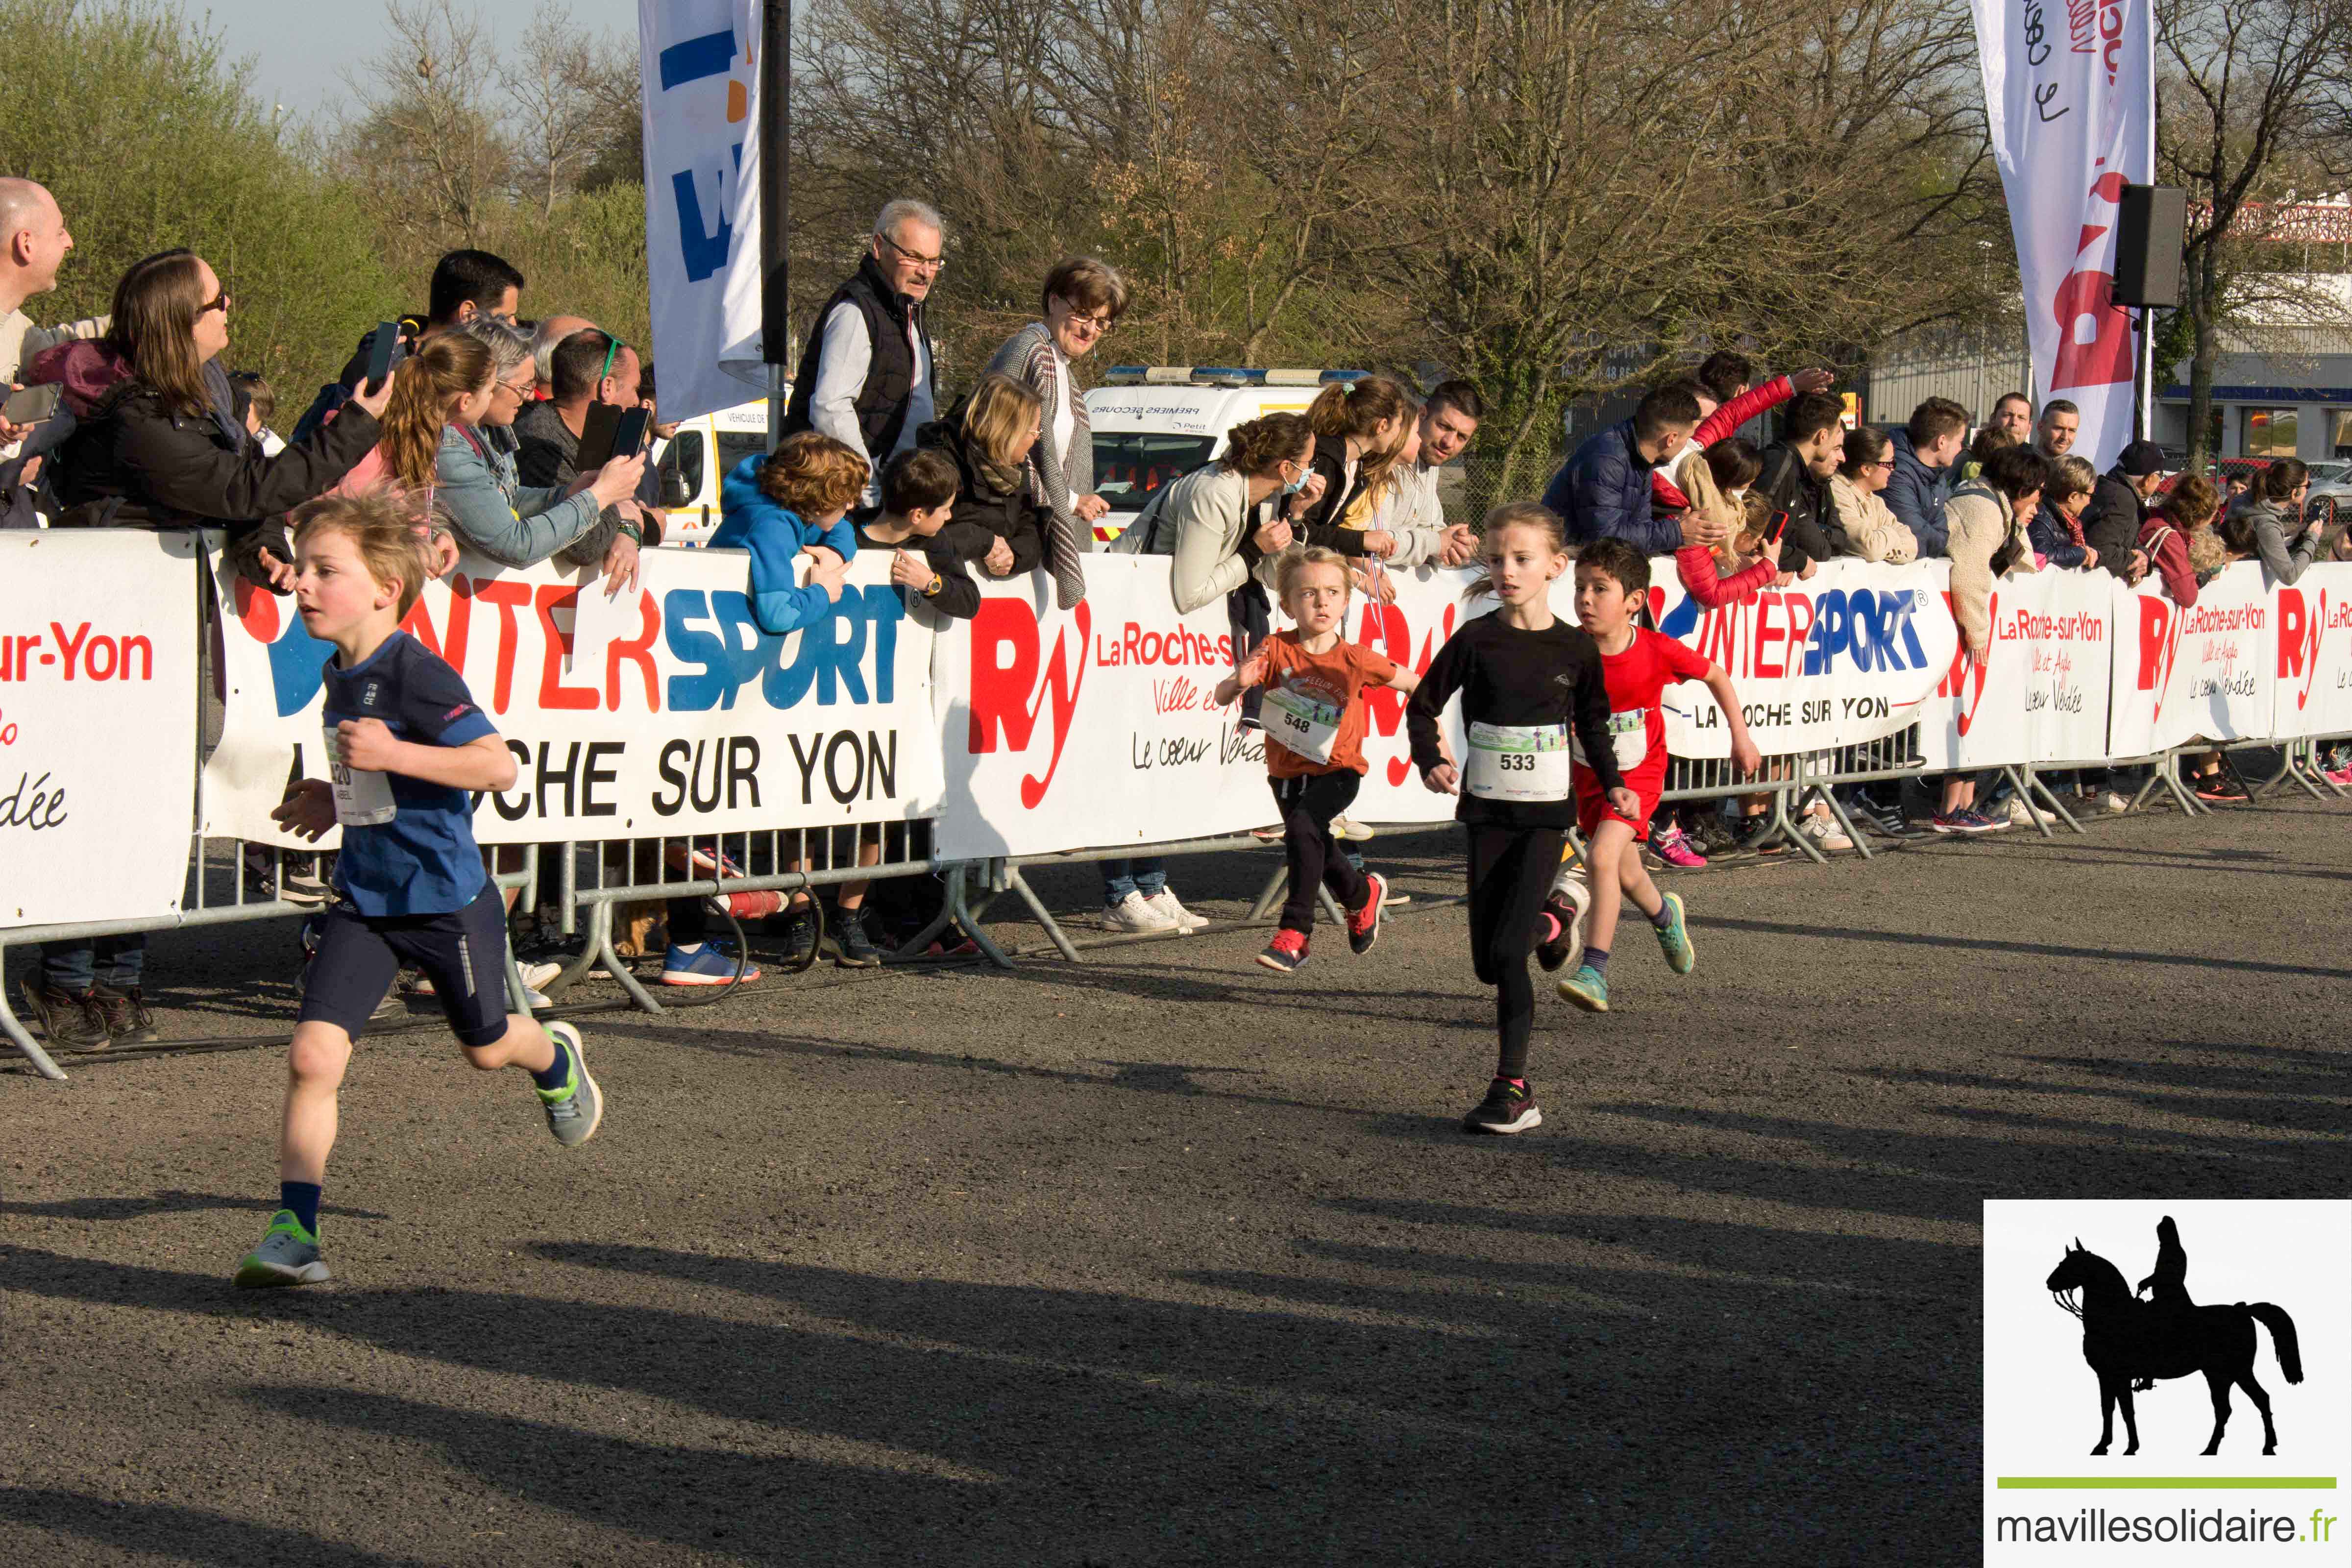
[[229, 880], [216, 867]]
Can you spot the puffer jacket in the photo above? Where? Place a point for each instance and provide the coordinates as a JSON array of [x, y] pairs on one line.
[[1603, 493], [1872, 531], [1915, 494], [132, 460], [1978, 521]]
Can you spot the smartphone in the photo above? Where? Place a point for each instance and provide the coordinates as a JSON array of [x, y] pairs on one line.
[[383, 352], [599, 429], [629, 435], [31, 404], [1776, 528]]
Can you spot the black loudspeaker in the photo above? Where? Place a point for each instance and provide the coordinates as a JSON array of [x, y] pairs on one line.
[[2148, 244]]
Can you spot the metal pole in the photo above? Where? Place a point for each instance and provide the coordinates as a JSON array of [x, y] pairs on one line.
[[775, 205]]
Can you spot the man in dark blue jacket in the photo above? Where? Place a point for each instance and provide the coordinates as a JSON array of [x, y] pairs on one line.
[[1924, 451], [1603, 491]]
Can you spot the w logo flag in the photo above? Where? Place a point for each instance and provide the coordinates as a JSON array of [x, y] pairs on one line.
[[702, 198]]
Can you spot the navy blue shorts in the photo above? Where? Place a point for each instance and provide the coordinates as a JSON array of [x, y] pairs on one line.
[[463, 953]]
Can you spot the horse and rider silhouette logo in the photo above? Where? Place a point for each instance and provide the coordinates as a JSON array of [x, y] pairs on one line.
[[2132, 1344]]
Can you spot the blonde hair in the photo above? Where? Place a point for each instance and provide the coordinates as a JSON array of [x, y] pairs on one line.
[[2073, 476], [382, 525], [441, 368], [813, 475], [999, 418], [1518, 514], [1297, 559]]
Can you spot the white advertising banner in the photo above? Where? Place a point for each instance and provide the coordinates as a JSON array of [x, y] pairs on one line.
[[2070, 97], [98, 724], [664, 710], [701, 91], [2314, 685], [1852, 654], [2204, 672], [1098, 726], [2040, 695]]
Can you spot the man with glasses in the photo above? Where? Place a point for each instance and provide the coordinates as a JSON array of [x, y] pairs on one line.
[[865, 376]]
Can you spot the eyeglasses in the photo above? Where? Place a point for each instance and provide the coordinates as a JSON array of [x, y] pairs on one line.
[[920, 263], [518, 390], [219, 302], [1091, 326]]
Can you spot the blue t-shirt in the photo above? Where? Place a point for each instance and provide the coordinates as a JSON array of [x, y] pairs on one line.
[[424, 861]]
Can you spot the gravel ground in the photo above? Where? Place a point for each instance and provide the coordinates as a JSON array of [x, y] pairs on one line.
[[1163, 1257]]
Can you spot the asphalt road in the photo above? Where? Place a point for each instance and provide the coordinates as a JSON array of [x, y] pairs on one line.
[[1165, 1258]]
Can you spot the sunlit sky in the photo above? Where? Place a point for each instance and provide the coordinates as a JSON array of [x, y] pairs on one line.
[[299, 50]]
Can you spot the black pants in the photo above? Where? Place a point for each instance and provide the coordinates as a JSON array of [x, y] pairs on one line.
[[1309, 804], [1511, 871], [463, 952]]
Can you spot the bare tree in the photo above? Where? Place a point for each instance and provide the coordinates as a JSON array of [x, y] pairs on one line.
[[555, 120], [2252, 95], [427, 145]]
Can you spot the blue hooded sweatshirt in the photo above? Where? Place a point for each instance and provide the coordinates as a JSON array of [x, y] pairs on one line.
[[774, 534]]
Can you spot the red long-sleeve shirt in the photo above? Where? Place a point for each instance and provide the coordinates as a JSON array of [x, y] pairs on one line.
[[1695, 564], [1727, 419]]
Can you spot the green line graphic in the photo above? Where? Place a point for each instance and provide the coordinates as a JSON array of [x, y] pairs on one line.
[[2165, 1483]]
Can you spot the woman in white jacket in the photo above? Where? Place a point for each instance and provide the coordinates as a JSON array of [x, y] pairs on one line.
[[1984, 524], [1222, 522]]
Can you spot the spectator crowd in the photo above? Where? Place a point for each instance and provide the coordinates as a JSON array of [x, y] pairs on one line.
[[497, 430]]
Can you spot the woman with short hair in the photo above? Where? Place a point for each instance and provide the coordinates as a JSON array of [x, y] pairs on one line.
[[1082, 299]]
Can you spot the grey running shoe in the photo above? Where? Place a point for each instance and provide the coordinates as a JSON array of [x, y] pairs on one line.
[[287, 1254], [575, 1110]]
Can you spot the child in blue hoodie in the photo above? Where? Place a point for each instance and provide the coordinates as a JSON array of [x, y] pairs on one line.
[[784, 504]]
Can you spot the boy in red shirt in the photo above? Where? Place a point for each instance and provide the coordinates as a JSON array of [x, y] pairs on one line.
[[1637, 665], [1315, 718]]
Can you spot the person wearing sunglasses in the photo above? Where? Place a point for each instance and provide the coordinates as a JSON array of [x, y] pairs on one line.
[[161, 434], [864, 378]]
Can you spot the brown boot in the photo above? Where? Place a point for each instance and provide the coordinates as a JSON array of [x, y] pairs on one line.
[[127, 1017], [70, 1023]]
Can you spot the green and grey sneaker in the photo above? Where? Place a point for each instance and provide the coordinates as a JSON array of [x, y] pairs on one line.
[[575, 1110], [1673, 937], [287, 1254], [1587, 988]]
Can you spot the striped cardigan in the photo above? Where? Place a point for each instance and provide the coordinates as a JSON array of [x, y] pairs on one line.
[[1028, 357]]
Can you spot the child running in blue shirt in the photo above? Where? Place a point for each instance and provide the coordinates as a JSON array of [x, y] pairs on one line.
[[406, 745]]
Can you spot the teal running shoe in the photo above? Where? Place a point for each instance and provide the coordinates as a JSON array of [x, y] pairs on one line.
[[573, 1112], [287, 1254], [1587, 988], [1673, 937]]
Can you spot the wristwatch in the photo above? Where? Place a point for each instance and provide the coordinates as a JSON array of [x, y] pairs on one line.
[[932, 589]]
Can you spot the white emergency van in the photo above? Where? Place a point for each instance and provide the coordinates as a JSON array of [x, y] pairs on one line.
[[694, 461], [1156, 423]]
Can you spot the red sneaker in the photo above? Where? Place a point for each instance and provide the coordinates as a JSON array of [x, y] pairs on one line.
[[1364, 924], [1286, 952]]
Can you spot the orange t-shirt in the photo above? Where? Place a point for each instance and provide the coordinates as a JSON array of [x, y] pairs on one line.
[[1313, 707]]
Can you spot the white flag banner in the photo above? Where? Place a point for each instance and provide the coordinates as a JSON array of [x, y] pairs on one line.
[[701, 80], [2070, 96]]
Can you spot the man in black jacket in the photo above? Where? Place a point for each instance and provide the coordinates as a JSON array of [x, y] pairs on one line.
[[2111, 519], [1795, 480], [866, 377], [466, 284]]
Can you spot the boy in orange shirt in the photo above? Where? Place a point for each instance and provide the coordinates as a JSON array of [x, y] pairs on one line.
[[1315, 718]]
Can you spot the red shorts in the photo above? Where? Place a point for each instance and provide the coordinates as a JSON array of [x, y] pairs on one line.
[[1592, 807]]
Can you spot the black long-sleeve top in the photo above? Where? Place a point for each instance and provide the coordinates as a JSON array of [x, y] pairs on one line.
[[959, 595], [1508, 677]]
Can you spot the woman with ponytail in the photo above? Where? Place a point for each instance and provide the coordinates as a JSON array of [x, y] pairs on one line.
[[1358, 431]]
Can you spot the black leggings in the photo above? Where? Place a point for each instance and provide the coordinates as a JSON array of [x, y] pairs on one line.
[[1511, 873], [1309, 804]]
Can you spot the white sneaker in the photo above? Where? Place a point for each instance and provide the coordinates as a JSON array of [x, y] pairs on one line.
[[2116, 804], [1133, 914], [1347, 829], [1825, 834], [1176, 914], [2024, 814], [536, 975]]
